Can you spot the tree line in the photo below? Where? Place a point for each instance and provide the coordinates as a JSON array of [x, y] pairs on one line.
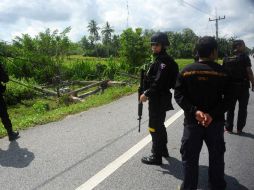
[[182, 43]]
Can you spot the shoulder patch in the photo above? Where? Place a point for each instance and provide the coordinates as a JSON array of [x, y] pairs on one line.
[[162, 65]]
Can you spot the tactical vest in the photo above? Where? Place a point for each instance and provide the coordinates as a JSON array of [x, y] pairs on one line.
[[235, 68]]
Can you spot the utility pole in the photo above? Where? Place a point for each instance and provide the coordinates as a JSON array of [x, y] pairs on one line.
[[216, 23]]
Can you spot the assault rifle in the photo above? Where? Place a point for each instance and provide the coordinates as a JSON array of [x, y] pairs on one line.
[[140, 92]]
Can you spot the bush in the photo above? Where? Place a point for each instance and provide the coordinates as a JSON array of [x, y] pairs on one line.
[[112, 68], [135, 48], [79, 70], [41, 107], [42, 69]]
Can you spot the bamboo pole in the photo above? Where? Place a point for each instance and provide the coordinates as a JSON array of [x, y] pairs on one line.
[[89, 93], [86, 87]]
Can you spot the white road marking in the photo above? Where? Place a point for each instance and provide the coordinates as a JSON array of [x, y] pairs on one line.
[[113, 166]]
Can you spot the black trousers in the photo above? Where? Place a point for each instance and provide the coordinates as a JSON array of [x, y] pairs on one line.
[[241, 94], [157, 128], [4, 115], [192, 141]]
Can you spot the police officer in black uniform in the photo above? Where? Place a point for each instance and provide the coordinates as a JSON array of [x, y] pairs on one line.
[[160, 78], [3, 108], [238, 67], [202, 92]]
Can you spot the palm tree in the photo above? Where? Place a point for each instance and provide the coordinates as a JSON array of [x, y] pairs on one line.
[[106, 36], [106, 33], [93, 29]]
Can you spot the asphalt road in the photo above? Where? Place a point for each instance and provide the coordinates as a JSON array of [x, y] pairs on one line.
[[66, 154]]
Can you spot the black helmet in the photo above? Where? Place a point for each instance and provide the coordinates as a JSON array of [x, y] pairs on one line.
[[160, 38]]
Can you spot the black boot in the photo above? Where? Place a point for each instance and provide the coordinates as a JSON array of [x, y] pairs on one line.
[[152, 160], [13, 136], [164, 152]]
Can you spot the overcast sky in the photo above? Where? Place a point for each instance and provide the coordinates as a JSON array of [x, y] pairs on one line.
[[34, 16]]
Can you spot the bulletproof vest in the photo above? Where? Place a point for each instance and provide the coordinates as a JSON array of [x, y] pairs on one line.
[[235, 68]]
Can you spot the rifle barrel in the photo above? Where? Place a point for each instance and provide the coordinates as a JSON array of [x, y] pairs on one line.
[[139, 123], [140, 92]]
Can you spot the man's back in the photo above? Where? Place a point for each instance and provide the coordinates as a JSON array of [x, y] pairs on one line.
[[235, 66], [203, 85]]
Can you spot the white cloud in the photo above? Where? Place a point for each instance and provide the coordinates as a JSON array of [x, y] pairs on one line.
[[30, 16]]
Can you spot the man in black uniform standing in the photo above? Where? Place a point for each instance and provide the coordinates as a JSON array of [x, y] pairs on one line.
[[3, 108], [238, 67], [160, 78], [201, 91]]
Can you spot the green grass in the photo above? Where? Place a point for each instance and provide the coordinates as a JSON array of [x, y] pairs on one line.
[[25, 115], [183, 62]]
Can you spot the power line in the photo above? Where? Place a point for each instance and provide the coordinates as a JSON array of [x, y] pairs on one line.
[[195, 7]]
